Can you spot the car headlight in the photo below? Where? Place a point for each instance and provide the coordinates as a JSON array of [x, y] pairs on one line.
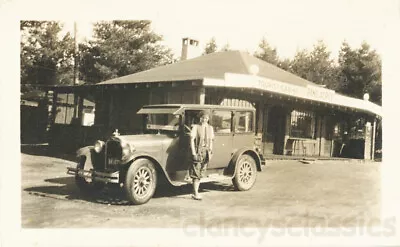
[[98, 146]]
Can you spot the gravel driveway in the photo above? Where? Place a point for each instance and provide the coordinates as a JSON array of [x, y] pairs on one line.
[[286, 194]]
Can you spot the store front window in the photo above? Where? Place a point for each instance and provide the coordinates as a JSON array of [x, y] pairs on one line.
[[302, 124]]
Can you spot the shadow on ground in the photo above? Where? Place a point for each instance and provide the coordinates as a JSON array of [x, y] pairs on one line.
[[45, 150], [113, 194]]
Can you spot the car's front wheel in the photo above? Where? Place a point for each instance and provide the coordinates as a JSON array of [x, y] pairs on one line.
[[246, 173], [140, 181]]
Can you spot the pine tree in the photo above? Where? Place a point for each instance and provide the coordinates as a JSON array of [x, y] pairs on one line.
[[120, 48], [266, 52], [360, 72], [46, 58], [211, 46]]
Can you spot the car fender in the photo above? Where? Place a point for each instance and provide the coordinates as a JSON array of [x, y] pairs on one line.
[[231, 169], [144, 155], [136, 155], [85, 152]]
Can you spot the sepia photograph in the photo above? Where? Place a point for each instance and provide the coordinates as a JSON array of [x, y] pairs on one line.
[[250, 120]]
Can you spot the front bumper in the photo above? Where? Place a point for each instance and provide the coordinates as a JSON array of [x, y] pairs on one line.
[[106, 177]]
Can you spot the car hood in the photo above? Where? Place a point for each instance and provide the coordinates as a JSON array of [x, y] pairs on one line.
[[145, 142]]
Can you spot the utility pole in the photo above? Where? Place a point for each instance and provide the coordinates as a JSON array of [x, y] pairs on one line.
[[76, 75]]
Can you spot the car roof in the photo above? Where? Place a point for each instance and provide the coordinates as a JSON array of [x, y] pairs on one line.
[[178, 108]]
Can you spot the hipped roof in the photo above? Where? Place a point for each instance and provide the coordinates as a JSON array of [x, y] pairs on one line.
[[213, 65], [232, 69]]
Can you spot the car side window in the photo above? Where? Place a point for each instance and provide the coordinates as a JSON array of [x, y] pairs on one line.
[[243, 122], [221, 121]]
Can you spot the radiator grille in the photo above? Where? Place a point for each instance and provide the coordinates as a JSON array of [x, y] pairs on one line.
[[113, 154]]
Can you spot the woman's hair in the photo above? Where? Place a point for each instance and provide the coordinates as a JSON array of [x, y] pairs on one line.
[[203, 113]]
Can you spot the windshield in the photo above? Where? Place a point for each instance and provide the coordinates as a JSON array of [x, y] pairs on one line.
[[163, 122]]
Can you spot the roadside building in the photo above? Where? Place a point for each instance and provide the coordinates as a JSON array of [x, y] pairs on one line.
[[293, 116], [33, 116]]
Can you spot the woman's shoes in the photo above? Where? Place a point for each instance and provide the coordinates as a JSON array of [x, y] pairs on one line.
[[198, 197]]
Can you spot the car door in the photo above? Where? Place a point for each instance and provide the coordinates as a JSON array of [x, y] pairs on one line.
[[175, 152], [243, 135], [178, 165], [221, 121]]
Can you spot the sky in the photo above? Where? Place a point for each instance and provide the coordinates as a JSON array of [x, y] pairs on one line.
[[287, 25]]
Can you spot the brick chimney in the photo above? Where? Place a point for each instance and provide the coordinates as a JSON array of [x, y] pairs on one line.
[[190, 48]]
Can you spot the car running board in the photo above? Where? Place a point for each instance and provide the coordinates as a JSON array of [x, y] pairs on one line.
[[213, 177]]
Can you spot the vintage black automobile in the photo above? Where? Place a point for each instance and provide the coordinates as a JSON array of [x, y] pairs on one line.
[[137, 162]]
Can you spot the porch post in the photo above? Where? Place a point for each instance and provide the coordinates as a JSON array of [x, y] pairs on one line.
[[260, 111], [367, 140], [202, 96], [373, 139], [321, 130], [52, 119], [80, 108], [259, 123], [53, 109], [287, 132], [317, 132], [264, 127], [76, 105]]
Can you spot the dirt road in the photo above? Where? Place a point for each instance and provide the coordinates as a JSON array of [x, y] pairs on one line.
[[286, 194]]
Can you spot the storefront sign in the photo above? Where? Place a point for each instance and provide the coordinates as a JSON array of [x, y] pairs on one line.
[[274, 86], [306, 92], [322, 94]]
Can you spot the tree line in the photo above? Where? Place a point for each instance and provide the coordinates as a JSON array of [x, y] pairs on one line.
[[120, 48]]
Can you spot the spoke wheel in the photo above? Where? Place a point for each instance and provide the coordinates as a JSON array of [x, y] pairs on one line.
[[246, 173], [141, 181]]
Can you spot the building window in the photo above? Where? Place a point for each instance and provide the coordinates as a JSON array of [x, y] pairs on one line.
[[302, 124], [243, 122], [65, 109]]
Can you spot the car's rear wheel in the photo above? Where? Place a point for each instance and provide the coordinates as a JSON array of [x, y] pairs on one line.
[[140, 181], [246, 173]]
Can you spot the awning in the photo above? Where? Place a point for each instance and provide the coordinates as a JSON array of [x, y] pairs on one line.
[[160, 110]]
